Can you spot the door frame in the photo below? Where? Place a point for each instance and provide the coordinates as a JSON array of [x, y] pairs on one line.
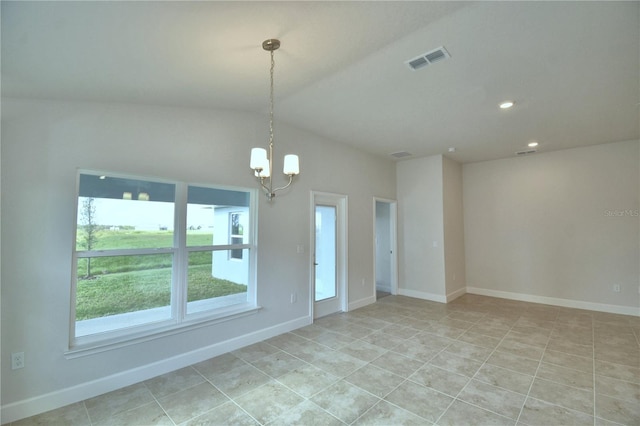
[[393, 242], [342, 249]]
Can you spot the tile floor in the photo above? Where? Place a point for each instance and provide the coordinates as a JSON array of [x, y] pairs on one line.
[[475, 361]]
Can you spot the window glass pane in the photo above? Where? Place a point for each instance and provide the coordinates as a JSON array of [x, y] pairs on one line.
[[122, 291], [208, 212], [115, 213], [215, 280], [325, 263]]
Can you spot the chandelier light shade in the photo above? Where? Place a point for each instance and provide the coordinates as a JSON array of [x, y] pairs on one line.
[[261, 161]]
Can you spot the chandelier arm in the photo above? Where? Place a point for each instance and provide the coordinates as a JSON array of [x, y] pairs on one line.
[[266, 188], [286, 186]]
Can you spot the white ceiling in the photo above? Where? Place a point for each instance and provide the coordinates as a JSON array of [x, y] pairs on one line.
[[573, 68]]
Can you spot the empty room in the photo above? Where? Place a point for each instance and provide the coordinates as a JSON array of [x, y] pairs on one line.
[[320, 213]]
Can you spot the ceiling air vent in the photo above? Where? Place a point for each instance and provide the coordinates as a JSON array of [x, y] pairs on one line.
[[529, 151], [430, 57], [400, 154]]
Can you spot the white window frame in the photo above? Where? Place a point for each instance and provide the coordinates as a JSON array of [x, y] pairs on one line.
[[179, 320]]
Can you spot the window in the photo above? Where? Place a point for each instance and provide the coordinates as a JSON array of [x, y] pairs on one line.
[[154, 255]]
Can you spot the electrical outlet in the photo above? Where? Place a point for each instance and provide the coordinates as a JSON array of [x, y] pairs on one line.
[[616, 288], [17, 360]]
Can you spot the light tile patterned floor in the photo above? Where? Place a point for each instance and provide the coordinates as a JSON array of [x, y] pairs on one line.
[[477, 360]]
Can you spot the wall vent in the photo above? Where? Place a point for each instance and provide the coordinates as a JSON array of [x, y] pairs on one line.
[[529, 151], [430, 57], [400, 154]]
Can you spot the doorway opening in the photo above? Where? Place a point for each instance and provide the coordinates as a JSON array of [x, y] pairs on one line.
[[385, 247]]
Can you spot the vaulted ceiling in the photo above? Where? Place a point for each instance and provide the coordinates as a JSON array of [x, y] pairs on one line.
[[572, 68]]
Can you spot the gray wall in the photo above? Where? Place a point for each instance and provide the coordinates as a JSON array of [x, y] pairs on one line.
[[420, 228], [431, 231], [453, 218], [561, 225]]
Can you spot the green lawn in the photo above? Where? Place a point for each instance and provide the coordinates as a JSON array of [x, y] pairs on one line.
[[121, 284]]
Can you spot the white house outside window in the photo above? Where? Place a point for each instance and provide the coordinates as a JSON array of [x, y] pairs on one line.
[[236, 228], [151, 255]]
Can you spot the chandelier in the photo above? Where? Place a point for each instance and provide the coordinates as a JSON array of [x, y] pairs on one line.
[[262, 164]]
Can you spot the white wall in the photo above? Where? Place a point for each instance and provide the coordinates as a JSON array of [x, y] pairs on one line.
[[559, 227], [43, 143]]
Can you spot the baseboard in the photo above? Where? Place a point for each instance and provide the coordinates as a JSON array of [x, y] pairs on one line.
[[422, 295], [454, 295], [362, 302], [383, 288], [40, 404], [567, 303]]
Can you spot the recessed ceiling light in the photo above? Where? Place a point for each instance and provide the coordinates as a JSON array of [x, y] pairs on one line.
[[507, 104], [532, 144]]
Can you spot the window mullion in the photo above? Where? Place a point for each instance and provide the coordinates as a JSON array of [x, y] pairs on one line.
[[181, 257], [253, 252], [122, 252]]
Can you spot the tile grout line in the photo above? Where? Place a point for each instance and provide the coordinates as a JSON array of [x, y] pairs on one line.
[[86, 410], [535, 375], [316, 393], [158, 402], [223, 393], [474, 375], [405, 379]]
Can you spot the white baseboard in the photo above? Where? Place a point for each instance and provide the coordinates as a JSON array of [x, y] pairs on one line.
[[455, 294], [362, 302], [40, 404], [422, 295], [567, 303], [385, 288]]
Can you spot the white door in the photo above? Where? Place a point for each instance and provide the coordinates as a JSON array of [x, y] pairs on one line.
[[329, 253], [385, 246]]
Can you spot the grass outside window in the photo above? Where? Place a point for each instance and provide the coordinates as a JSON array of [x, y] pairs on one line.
[[121, 284]]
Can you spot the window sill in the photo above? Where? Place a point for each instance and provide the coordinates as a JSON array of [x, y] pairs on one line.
[[90, 345]]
